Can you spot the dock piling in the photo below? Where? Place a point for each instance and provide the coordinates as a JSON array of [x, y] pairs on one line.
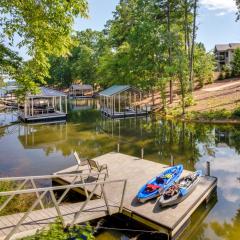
[[208, 169], [172, 160], [118, 147], [142, 153]]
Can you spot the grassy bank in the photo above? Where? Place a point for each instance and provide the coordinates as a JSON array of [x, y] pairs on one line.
[[212, 116]]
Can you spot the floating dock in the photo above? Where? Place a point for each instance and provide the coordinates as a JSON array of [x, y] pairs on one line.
[[56, 116], [126, 114], [170, 221]]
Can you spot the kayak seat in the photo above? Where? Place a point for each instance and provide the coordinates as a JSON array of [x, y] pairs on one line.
[[159, 180], [152, 187]]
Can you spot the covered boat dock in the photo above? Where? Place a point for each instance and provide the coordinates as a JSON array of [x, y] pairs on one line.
[[81, 91], [46, 105], [123, 101]]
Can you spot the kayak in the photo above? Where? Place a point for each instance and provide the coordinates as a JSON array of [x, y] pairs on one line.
[[180, 190], [157, 185]]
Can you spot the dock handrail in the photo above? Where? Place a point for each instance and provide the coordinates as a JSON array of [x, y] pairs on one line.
[[42, 191]]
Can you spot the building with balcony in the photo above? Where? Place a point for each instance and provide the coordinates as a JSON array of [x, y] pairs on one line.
[[224, 54]]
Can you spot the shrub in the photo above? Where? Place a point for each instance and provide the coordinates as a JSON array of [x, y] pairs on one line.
[[189, 101], [56, 231], [222, 75], [236, 113]]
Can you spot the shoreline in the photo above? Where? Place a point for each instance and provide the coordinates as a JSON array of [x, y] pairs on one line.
[[200, 120]]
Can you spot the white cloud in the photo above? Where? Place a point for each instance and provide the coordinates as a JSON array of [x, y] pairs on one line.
[[221, 6]]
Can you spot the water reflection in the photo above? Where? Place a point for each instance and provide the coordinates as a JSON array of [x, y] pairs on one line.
[[46, 148], [83, 104]]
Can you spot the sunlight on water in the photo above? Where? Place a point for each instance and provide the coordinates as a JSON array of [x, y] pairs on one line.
[[47, 148]]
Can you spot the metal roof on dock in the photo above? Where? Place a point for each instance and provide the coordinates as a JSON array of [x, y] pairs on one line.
[[81, 87], [115, 89], [47, 92]]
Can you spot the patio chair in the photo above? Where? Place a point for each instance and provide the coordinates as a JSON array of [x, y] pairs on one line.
[[99, 168], [80, 162]]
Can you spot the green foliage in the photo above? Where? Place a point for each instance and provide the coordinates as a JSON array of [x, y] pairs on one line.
[[236, 63], [236, 112], [147, 44], [226, 72], [203, 66], [81, 64], [238, 6], [9, 60], [44, 28], [20, 203], [189, 100], [222, 114], [56, 231], [183, 77]]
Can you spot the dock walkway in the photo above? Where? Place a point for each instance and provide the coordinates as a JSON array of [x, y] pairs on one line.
[[20, 224], [169, 221], [41, 218]]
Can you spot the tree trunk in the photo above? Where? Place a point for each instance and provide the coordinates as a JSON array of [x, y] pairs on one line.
[[153, 100], [192, 47], [169, 49]]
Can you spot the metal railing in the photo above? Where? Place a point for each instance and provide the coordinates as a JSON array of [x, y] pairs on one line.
[[41, 192]]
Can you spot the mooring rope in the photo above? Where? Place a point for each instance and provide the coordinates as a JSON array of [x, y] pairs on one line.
[[121, 229]]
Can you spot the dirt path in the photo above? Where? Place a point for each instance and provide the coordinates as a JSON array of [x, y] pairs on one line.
[[221, 86], [217, 96]]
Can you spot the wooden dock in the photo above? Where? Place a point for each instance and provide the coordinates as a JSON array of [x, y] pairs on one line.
[[115, 195], [170, 221], [56, 116], [127, 114], [42, 218]]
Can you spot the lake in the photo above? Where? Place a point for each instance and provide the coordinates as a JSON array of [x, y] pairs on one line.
[[47, 148]]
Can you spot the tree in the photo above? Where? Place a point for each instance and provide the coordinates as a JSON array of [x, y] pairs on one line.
[[193, 46], [204, 65], [235, 64], [9, 60], [60, 74], [44, 28], [85, 56], [182, 73], [81, 64], [238, 6]]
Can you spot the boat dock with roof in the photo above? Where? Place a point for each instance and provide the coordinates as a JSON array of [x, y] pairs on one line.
[[46, 105], [123, 101]]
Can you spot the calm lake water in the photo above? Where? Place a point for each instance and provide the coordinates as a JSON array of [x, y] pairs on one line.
[[46, 148]]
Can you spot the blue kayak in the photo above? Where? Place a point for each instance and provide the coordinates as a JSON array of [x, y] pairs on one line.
[[157, 185]]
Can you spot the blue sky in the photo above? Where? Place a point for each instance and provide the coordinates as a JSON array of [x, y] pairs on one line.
[[216, 20]]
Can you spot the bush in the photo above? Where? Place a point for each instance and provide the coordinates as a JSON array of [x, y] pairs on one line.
[[222, 75], [189, 101], [216, 114], [236, 113], [56, 231]]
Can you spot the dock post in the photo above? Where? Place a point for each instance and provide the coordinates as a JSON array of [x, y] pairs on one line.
[[172, 160], [208, 171], [142, 153], [118, 147]]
